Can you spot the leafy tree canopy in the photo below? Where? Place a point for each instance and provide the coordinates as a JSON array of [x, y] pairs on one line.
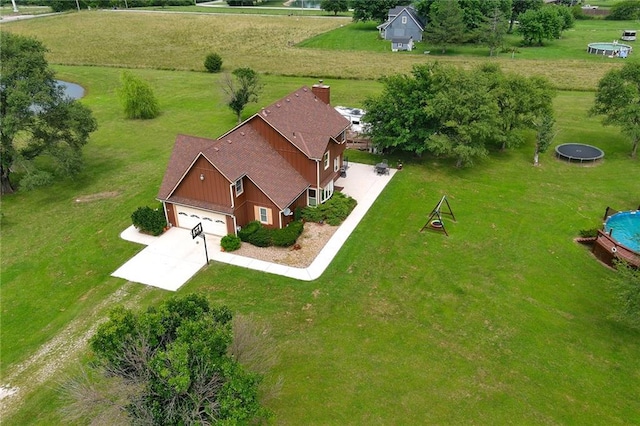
[[521, 6], [474, 13], [546, 23], [618, 101], [446, 24], [176, 360], [455, 113], [242, 86], [137, 98], [625, 10], [38, 120], [334, 6], [374, 10]]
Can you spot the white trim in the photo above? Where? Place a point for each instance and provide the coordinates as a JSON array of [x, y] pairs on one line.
[[326, 160], [238, 193]]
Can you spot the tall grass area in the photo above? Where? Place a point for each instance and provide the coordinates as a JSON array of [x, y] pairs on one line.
[[504, 321], [292, 46]]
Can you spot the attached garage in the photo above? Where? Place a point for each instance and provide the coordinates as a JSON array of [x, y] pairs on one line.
[[212, 223]]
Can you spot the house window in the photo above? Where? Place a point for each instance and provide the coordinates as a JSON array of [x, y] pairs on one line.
[[313, 197], [336, 164], [399, 45], [326, 192], [326, 160], [239, 187], [404, 19], [263, 214]]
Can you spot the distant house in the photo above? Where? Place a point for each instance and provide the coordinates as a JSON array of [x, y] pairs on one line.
[[286, 156], [402, 22], [402, 43]]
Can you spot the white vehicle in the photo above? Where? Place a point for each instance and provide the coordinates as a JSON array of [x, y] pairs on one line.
[[628, 35], [354, 115]]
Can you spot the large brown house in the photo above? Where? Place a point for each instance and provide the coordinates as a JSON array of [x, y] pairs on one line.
[[288, 155]]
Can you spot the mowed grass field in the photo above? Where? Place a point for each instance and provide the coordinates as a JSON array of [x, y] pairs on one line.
[[505, 321], [276, 45]]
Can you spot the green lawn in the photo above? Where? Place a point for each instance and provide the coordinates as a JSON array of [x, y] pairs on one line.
[[505, 321], [573, 44]]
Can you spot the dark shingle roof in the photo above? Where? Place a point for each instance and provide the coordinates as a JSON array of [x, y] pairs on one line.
[[306, 121], [303, 119]]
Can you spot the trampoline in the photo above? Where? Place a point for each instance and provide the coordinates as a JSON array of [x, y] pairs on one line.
[[609, 49], [624, 228], [579, 153]]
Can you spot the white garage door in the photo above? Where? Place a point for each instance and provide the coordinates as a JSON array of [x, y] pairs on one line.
[[212, 223]]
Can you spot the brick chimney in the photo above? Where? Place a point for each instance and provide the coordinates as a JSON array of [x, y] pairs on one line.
[[322, 92]]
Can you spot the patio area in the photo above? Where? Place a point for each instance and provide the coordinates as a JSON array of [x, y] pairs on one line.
[[171, 259]]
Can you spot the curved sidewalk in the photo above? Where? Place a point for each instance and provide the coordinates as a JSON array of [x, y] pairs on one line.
[[171, 259]]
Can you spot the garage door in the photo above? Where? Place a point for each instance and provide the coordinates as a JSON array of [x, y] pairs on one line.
[[212, 223]]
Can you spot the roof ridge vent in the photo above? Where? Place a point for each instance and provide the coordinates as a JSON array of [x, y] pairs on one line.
[[277, 105], [242, 133], [305, 89], [229, 140], [288, 100], [216, 149]]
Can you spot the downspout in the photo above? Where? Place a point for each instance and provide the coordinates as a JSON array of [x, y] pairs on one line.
[[233, 205], [166, 215], [317, 182]]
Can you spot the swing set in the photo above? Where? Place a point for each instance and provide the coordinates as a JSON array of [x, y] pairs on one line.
[[435, 221]]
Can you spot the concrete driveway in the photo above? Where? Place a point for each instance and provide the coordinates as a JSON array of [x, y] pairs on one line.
[[171, 259], [168, 261]]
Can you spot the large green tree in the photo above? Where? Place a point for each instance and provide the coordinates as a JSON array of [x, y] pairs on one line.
[[522, 101], [242, 86], [475, 13], [494, 30], [521, 6], [334, 6], [467, 115], [618, 101], [544, 136], [537, 25], [37, 118], [176, 362], [137, 97], [374, 10], [445, 24], [456, 113], [397, 118]]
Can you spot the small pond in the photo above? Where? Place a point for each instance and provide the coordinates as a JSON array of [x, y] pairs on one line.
[[71, 90]]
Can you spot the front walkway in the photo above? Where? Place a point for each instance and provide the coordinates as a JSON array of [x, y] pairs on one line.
[[172, 259]]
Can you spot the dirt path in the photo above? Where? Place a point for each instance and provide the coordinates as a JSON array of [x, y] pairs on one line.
[[54, 355]]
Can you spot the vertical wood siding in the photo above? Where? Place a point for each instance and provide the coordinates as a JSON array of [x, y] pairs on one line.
[[213, 189], [290, 153]]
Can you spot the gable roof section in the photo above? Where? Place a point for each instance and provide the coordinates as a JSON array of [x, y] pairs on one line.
[[397, 11], [244, 152], [186, 151], [305, 121]]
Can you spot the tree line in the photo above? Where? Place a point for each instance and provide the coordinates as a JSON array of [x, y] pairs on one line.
[[450, 22]]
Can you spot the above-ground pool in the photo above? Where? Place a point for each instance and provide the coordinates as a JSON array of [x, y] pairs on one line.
[[624, 228], [578, 152], [609, 49]]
